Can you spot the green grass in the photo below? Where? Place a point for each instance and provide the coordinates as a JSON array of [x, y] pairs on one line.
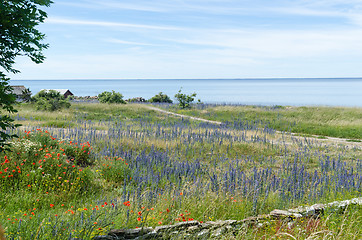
[[326, 121], [135, 128]]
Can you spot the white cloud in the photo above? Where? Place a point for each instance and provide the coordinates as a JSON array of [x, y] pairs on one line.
[[118, 41], [67, 21], [277, 43], [145, 48]]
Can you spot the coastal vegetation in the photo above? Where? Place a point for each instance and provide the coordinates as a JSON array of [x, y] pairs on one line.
[[184, 100], [111, 97], [94, 166], [50, 100], [160, 98], [340, 122]]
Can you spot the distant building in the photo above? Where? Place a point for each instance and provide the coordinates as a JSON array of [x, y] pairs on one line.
[[21, 92], [65, 92]]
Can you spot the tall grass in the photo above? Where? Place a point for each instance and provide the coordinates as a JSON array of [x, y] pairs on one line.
[[146, 169], [327, 121]]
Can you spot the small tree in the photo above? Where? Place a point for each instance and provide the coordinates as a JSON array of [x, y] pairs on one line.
[[111, 97], [185, 100], [160, 98], [50, 100]]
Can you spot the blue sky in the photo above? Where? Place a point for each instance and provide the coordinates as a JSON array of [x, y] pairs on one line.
[[111, 39]]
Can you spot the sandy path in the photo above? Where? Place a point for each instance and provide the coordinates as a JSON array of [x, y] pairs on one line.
[[183, 116]]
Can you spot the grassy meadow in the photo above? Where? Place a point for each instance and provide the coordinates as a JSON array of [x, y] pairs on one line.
[[78, 172]]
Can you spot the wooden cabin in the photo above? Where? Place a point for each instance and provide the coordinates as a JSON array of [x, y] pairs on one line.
[[20, 92], [65, 92]]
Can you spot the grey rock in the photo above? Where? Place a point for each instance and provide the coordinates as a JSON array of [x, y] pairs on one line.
[[129, 233], [215, 229], [218, 232], [176, 227], [193, 229], [105, 237], [150, 235], [204, 234]]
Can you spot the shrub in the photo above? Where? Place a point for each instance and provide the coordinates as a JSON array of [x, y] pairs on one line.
[[111, 97], [50, 100], [136, 99], [40, 163], [160, 98], [79, 154], [185, 100]]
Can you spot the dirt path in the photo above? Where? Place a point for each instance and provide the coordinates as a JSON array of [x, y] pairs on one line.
[[322, 139], [183, 116]]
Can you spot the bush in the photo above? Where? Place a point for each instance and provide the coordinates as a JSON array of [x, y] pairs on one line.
[[185, 100], [136, 100], [160, 98], [50, 100], [40, 163], [111, 97]]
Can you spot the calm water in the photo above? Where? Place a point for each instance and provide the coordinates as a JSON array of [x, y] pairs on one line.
[[332, 92]]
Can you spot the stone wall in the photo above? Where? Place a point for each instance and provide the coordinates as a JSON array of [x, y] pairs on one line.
[[214, 230]]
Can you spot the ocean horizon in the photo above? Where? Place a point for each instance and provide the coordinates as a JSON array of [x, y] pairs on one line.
[[253, 91]]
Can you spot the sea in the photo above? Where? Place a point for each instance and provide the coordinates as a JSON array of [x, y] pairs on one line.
[[269, 92]]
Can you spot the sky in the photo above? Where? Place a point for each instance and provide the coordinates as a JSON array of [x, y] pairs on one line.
[[168, 39]]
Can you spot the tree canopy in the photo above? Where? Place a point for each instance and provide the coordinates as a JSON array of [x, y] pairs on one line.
[[185, 100], [18, 37]]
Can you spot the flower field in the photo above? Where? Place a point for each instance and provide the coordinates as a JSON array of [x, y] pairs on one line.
[[91, 168]]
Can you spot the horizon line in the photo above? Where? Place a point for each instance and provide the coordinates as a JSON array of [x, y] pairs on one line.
[[256, 78]]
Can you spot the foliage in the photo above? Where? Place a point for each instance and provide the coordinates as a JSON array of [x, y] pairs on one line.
[[18, 37], [160, 98], [26, 95], [185, 100], [39, 162], [111, 97], [50, 100], [7, 100]]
